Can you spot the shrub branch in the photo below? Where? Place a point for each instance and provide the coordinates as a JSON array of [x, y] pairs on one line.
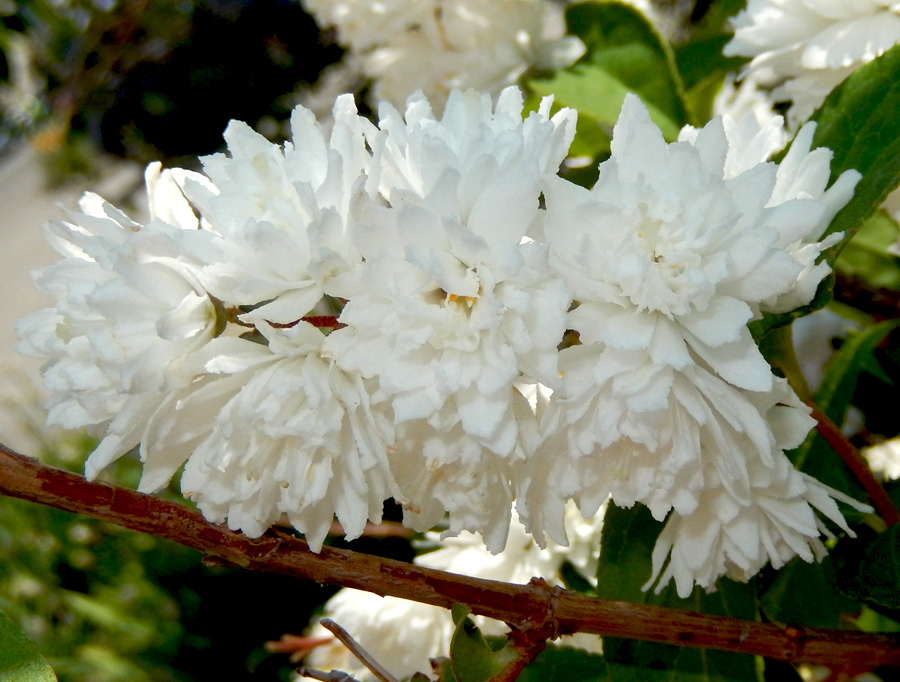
[[524, 607]]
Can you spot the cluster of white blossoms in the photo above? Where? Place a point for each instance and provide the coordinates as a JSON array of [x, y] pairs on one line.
[[805, 48], [440, 45], [378, 313], [404, 636]]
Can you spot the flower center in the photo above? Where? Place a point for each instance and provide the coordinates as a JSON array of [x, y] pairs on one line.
[[659, 274]]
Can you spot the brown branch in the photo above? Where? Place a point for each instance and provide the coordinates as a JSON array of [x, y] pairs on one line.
[[858, 465], [522, 606]]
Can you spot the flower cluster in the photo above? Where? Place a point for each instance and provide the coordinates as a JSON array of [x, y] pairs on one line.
[[805, 48], [438, 45], [378, 313]]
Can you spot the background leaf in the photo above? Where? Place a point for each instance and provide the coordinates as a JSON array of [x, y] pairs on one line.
[[866, 256], [869, 569], [833, 397], [20, 660], [807, 594], [624, 54], [625, 565]]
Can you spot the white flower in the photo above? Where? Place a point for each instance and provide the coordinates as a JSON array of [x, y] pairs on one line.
[[754, 131], [129, 307], [754, 135], [640, 431], [453, 305], [675, 249], [450, 304], [668, 252], [444, 471], [737, 537], [807, 47], [403, 636], [277, 217], [884, 458], [440, 45], [270, 430], [362, 24]]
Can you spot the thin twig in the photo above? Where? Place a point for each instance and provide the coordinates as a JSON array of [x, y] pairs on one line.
[[357, 650], [832, 433], [522, 606]]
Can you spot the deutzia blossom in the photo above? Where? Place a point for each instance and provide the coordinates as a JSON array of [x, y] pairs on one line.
[[274, 429], [807, 47], [753, 137], [884, 458], [453, 304], [737, 537], [129, 307], [277, 216], [674, 250], [440, 45], [403, 635], [362, 24], [644, 432], [669, 252]]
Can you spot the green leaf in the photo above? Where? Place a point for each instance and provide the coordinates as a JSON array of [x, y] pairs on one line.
[[870, 570], [870, 620], [20, 660], [703, 69], [806, 594], [625, 565], [698, 59], [624, 54], [564, 664], [472, 657], [842, 373], [858, 122], [833, 397], [867, 257]]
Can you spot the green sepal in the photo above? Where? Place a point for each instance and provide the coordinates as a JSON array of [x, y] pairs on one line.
[[472, 658]]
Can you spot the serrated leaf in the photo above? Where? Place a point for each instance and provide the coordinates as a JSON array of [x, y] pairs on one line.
[[806, 594], [624, 54], [20, 660], [869, 570], [471, 656], [858, 122], [625, 565]]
